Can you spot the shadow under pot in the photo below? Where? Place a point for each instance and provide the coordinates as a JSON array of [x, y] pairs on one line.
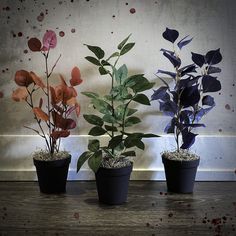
[[180, 175], [52, 175], [112, 184]]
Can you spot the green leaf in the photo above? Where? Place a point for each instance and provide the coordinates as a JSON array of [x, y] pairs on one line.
[[110, 128], [105, 63], [93, 60], [115, 141], [131, 111], [97, 131], [126, 48], [130, 142], [150, 136], [109, 118], [90, 94], [131, 121], [115, 54], [142, 87], [120, 46], [142, 98], [82, 159], [103, 71], [93, 119], [95, 160], [121, 74], [97, 51], [128, 154], [93, 145], [119, 112], [102, 106]]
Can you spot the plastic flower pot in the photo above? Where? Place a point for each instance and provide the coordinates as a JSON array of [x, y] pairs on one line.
[[52, 175], [180, 175], [112, 184]]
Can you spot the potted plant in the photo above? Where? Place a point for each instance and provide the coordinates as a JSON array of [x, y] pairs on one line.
[[186, 100], [111, 162], [51, 107]]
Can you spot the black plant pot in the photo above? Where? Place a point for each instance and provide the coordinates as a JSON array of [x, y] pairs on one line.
[[112, 184], [180, 175], [52, 175]]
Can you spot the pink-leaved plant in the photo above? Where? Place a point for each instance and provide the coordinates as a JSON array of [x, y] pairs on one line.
[[53, 109]]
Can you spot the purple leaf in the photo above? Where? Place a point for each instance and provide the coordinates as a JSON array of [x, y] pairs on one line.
[[212, 70], [187, 69], [188, 139], [70, 124], [190, 96], [170, 35], [213, 57], [170, 128], [172, 74], [208, 100], [169, 108], [160, 94], [210, 84], [176, 62], [201, 113], [49, 40], [183, 42], [168, 51], [198, 59]]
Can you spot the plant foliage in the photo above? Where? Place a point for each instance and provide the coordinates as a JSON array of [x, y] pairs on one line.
[[114, 112], [190, 97], [56, 103]]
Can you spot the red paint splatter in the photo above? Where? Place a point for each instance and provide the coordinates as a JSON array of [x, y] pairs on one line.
[[20, 34], [161, 193], [170, 214], [132, 10], [220, 130], [127, 4], [40, 18], [61, 34], [25, 51], [1, 94], [147, 224], [7, 8], [3, 71], [76, 215], [113, 16], [233, 85], [227, 107], [73, 30]]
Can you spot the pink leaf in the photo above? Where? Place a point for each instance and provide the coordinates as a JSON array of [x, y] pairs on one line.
[[40, 114], [40, 103], [23, 78], [49, 40], [75, 77], [70, 124], [77, 110], [69, 111], [20, 94], [60, 134], [34, 45], [37, 80]]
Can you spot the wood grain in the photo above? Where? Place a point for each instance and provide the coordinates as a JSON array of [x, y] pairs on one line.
[[150, 210]]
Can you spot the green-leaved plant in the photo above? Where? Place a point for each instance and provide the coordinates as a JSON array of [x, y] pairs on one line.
[[115, 114]]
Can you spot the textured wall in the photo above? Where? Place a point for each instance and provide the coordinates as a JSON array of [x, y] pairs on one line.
[[106, 23]]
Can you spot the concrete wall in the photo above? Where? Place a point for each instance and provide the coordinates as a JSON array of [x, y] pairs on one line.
[[106, 23]]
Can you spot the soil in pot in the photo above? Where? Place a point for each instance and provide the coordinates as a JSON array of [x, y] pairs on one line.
[[180, 174], [112, 184], [52, 174]]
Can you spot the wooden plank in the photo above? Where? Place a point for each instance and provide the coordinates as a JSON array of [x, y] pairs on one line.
[[150, 210]]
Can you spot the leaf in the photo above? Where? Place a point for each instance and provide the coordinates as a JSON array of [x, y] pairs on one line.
[[120, 46], [169, 108], [213, 57], [210, 84], [160, 94], [77, 109], [130, 111], [132, 121], [212, 70], [126, 48], [208, 100], [171, 74], [121, 74], [176, 62], [103, 71], [20, 94], [93, 119], [93, 145], [97, 131], [187, 69], [190, 96], [49, 40], [142, 99], [90, 94], [93, 60], [70, 124], [109, 118], [115, 54], [128, 154], [102, 106], [23, 78], [37, 80], [60, 134], [99, 53], [132, 142], [198, 59], [110, 128], [183, 42], [115, 141], [75, 77], [40, 114], [170, 128], [170, 35], [82, 159], [95, 160], [40, 103], [34, 44], [188, 139]]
